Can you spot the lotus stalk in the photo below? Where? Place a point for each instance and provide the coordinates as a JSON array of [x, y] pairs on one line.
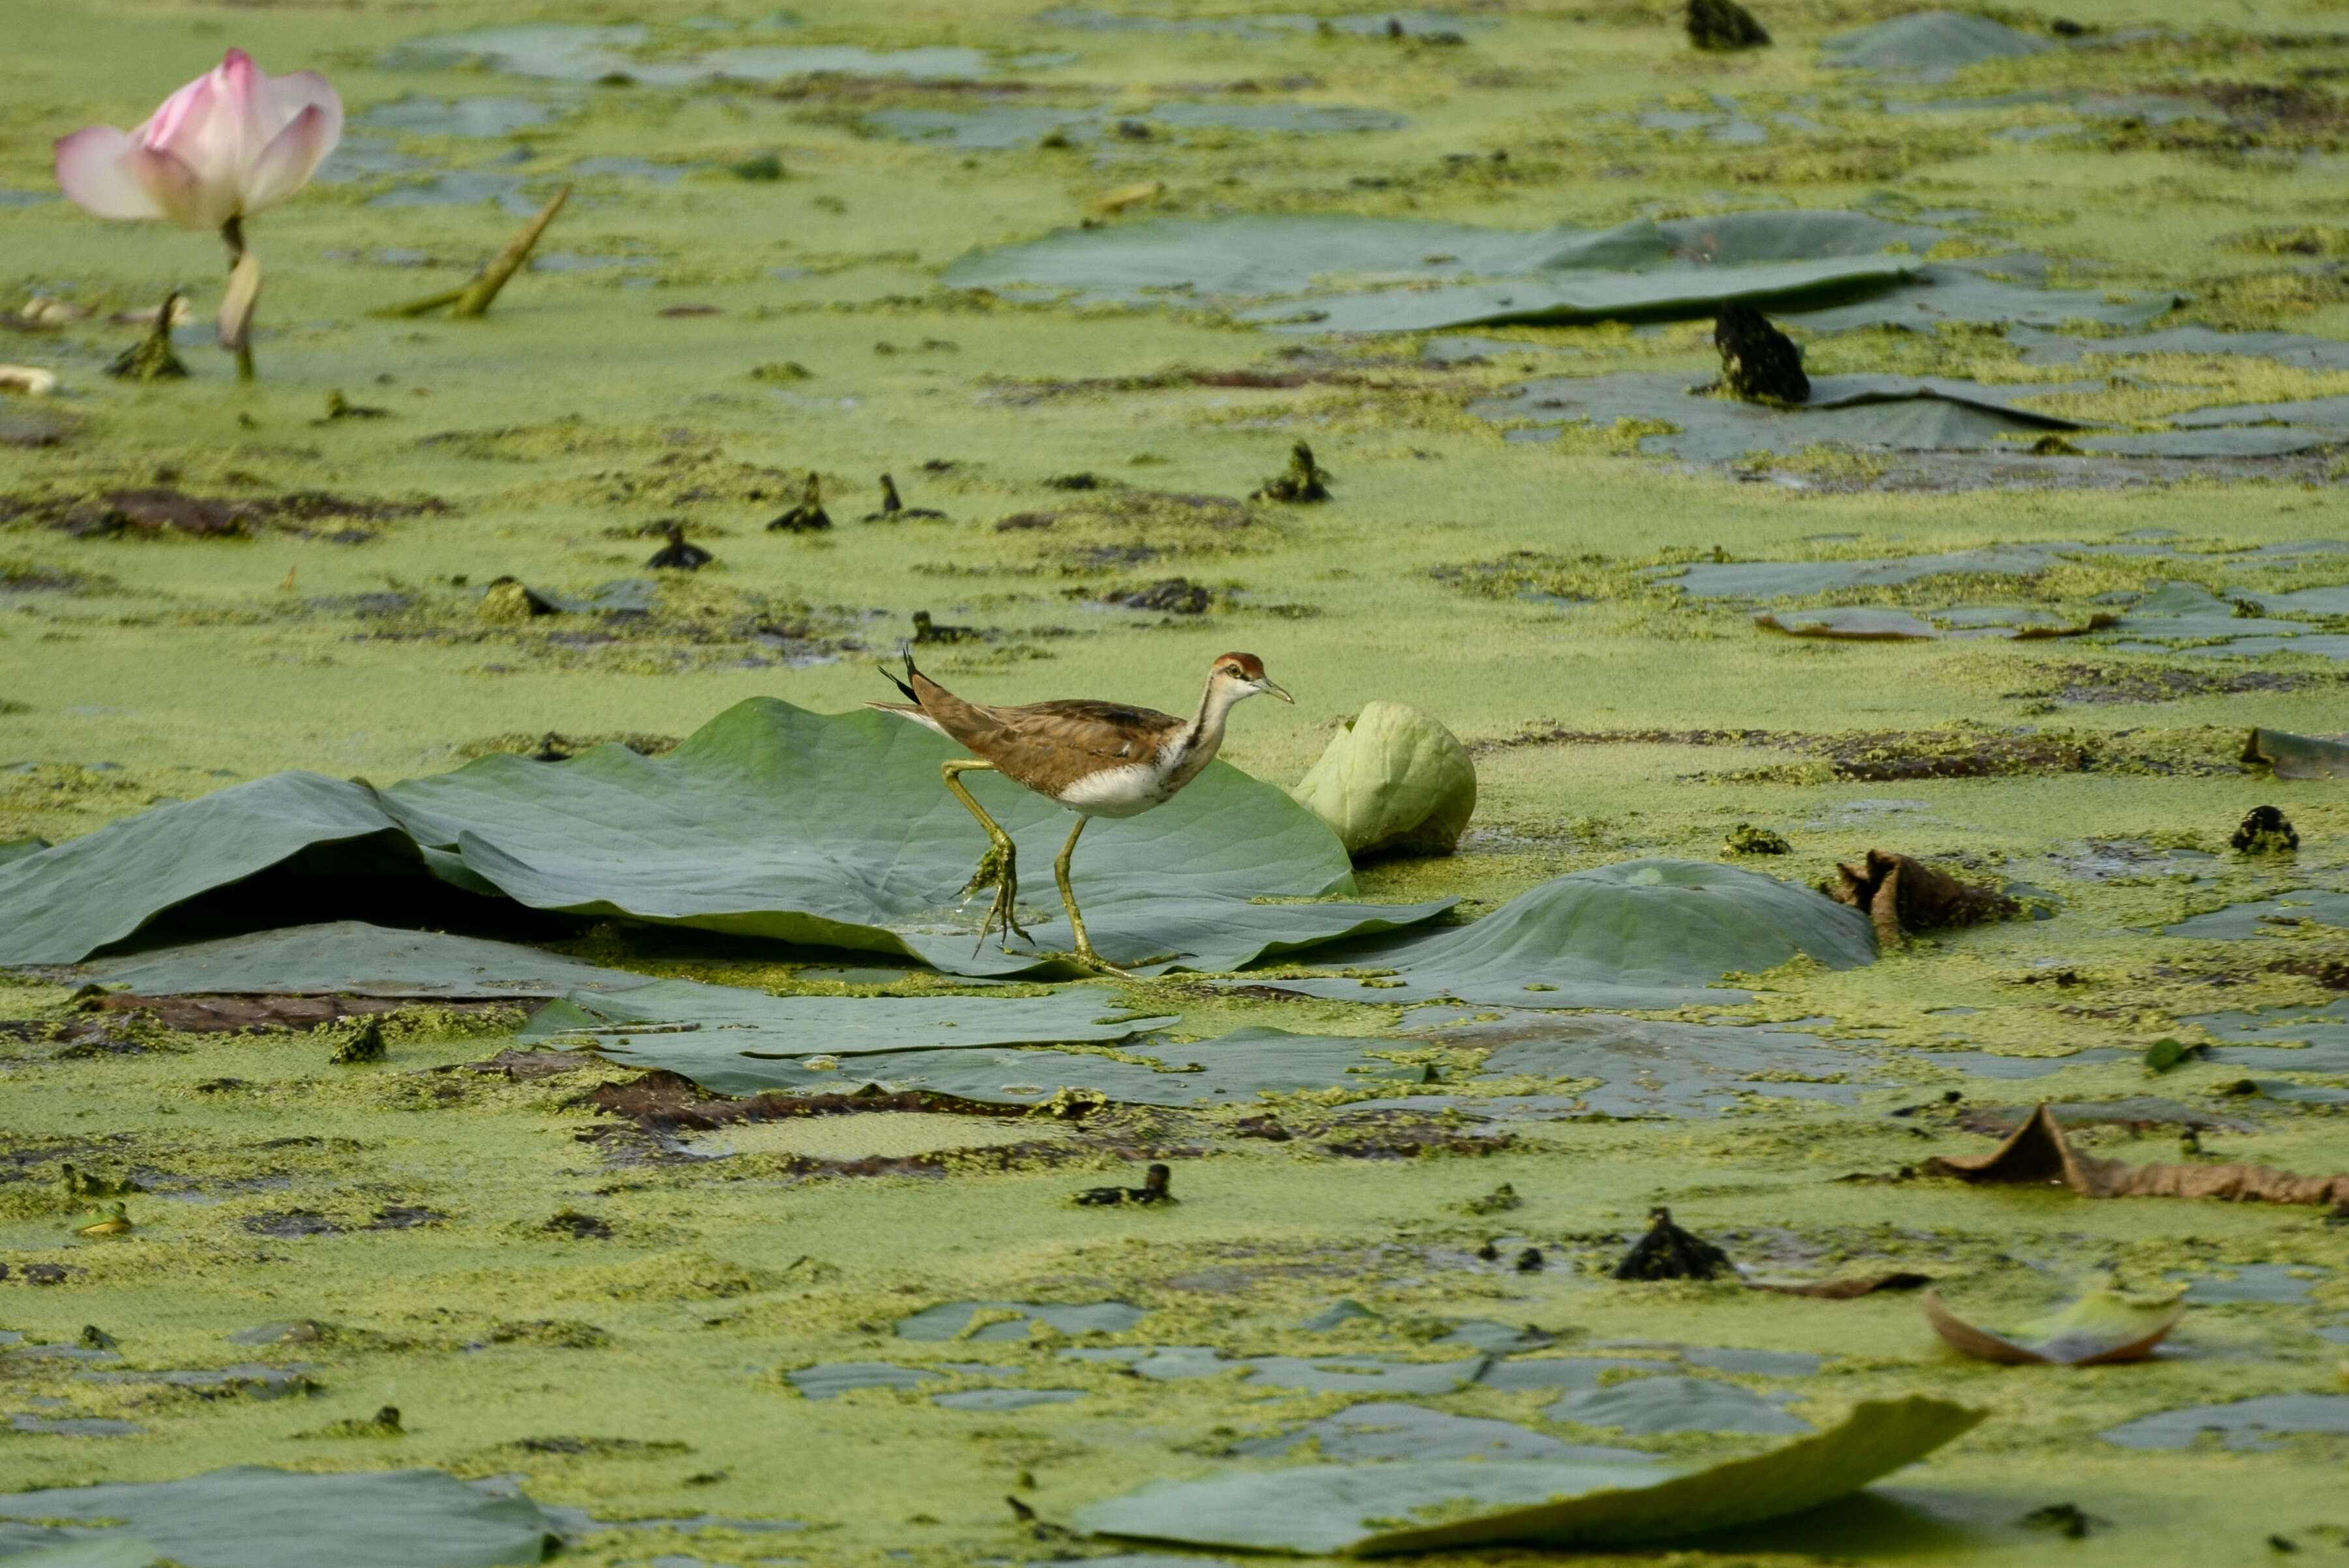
[[227, 146]]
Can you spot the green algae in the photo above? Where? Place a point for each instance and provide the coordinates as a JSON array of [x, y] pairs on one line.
[[576, 416]]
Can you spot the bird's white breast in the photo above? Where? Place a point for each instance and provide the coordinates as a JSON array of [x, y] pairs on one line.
[[1126, 792]]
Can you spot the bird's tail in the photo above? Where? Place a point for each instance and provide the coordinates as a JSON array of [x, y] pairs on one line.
[[908, 650]]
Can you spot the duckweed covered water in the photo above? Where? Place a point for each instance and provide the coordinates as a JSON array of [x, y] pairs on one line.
[[852, 245]]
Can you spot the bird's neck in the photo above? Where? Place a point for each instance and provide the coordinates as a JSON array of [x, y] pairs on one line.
[[1206, 735]]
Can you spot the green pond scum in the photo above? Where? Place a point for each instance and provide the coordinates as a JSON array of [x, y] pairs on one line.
[[628, 362]]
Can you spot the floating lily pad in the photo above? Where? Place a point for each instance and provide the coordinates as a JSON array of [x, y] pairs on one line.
[[1004, 1398], [1367, 1510], [1658, 1067], [1391, 1431], [2258, 917], [769, 822], [468, 117], [1231, 1068], [1642, 934], [947, 1320], [2102, 1327], [2274, 1283], [1753, 1362], [105, 1552], [74, 1427], [1362, 1374], [702, 1031], [2327, 411], [2217, 441], [998, 126], [251, 1517], [2243, 1424], [252, 1378], [1645, 1406], [1163, 1363], [1571, 1374], [2293, 348], [352, 958]]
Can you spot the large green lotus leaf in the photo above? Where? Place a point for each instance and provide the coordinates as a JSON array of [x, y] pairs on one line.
[[769, 822], [1930, 41], [352, 958], [1646, 934], [1394, 778], [62, 905], [1374, 1510], [252, 1517], [835, 830]]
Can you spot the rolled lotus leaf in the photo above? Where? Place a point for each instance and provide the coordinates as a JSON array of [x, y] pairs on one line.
[[1392, 781], [2102, 1327], [2297, 756]]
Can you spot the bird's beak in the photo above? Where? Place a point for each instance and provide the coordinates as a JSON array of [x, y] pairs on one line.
[[1270, 689]]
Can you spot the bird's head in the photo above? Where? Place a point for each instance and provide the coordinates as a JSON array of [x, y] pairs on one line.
[[1243, 675]]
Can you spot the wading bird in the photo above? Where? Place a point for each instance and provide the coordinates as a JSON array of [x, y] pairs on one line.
[[1097, 759]]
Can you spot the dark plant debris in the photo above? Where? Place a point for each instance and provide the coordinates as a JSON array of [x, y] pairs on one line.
[[1759, 364], [678, 554], [1668, 1252], [808, 516], [1746, 838], [1153, 1190], [893, 510], [2065, 1518], [151, 357], [1304, 481], [1722, 26], [2265, 830]]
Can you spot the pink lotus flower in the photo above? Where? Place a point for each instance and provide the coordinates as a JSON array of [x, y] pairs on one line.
[[227, 145]]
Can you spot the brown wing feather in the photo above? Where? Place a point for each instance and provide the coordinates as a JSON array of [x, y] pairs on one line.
[[1045, 746]]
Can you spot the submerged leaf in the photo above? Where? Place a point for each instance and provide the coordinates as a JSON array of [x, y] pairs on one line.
[[248, 1516], [1374, 1510], [1639, 934], [2102, 1327]]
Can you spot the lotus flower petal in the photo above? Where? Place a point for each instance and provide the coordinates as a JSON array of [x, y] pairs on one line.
[[286, 165], [97, 171]]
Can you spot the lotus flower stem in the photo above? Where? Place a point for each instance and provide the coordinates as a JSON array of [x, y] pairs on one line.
[[244, 292]]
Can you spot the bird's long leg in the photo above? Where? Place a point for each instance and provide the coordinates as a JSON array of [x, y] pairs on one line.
[[1068, 896], [1084, 948], [999, 867]]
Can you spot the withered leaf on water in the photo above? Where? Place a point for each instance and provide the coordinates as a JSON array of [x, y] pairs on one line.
[[2101, 1327], [2039, 1153], [1902, 896]]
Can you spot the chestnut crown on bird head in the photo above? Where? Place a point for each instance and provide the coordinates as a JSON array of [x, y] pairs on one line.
[[1246, 673]]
